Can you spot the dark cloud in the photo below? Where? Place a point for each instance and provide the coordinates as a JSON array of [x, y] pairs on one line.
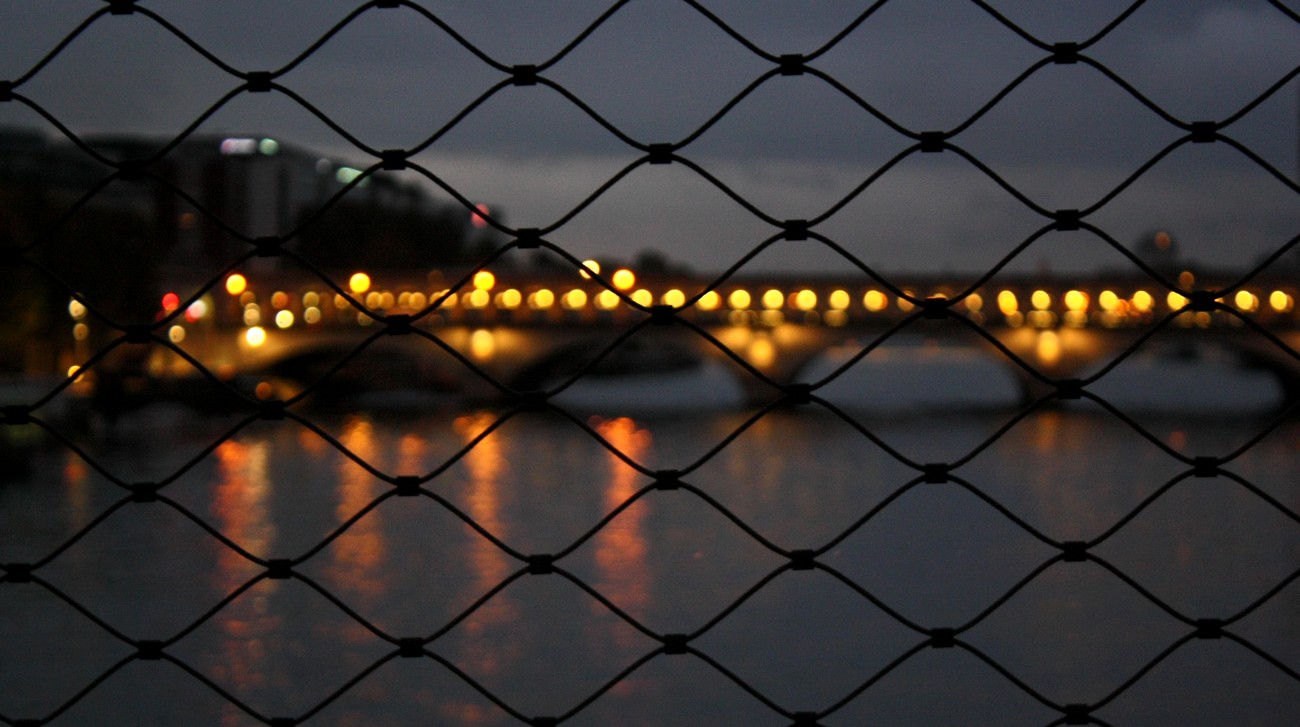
[[658, 70]]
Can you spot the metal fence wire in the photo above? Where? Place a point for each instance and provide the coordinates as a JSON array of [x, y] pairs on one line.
[[399, 488]]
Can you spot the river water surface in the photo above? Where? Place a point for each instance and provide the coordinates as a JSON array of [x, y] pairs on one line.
[[936, 555]]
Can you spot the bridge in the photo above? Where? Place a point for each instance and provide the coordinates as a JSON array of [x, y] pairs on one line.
[[527, 331]]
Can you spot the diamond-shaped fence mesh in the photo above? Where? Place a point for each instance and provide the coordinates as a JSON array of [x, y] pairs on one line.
[[518, 561]]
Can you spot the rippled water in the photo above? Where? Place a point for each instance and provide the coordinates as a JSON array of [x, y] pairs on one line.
[[937, 554]]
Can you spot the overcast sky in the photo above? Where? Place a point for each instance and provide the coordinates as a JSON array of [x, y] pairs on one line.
[[659, 69]]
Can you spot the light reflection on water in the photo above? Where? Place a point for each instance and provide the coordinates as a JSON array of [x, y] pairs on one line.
[[938, 554]]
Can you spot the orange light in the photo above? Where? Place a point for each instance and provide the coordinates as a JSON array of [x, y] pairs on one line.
[[805, 300], [623, 279], [541, 300], [236, 284], [1108, 300], [1143, 301], [1007, 303], [484, 280], [171, 302], [1280, 301], [359, 283], [575, 299], [1076, 300], [875, 301], [607, 300]]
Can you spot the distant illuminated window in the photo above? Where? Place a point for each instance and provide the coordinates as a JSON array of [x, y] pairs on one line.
[[238, 147]]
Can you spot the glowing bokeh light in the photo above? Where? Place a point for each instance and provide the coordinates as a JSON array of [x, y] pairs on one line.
[[1076, 300], [875, 301], [575, 299], [623, 279], [1246, 301], [359, 283], [237, 284], [1280, 301], [1143, 301], [541, 299], [509, 299], [805, 300], [1007, 302], [607, 300]]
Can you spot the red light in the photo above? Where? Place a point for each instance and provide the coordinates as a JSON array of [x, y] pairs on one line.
[[478, 218], [171, 302]]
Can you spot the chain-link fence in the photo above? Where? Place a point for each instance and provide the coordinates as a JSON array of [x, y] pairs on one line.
[[125, 344]]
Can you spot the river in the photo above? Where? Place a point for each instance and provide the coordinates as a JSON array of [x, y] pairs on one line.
[[938, 555]]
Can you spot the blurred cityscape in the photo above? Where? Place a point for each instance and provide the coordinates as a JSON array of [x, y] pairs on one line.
[[102, 251]]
